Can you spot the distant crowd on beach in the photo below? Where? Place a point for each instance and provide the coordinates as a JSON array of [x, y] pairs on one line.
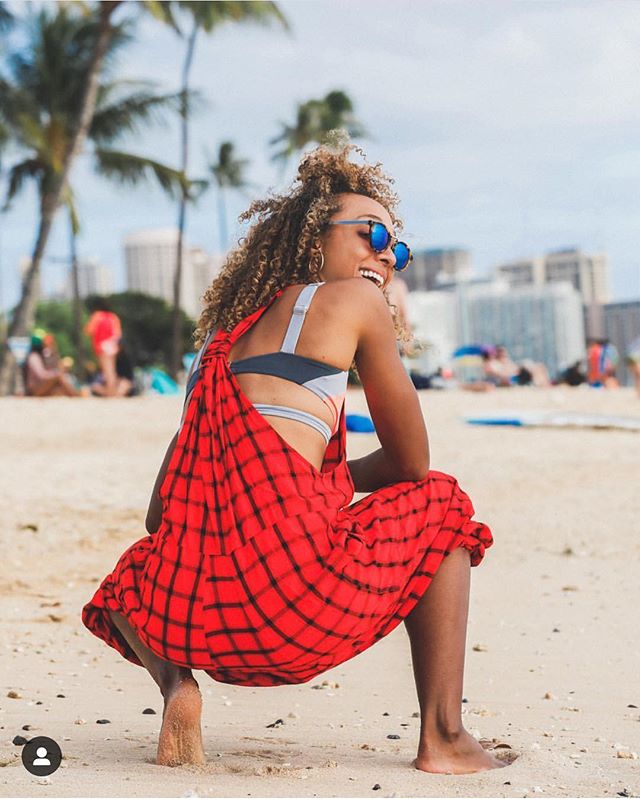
[[485, 367], [46, 374], [496, 369]]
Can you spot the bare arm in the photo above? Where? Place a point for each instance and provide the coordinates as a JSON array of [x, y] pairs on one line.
[[391, 397], [154, 512]]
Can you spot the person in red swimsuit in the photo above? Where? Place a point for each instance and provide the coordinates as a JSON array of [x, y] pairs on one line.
[[258, 567], [105, 331]]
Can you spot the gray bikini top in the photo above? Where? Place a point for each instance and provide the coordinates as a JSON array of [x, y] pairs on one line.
[[325, 381]]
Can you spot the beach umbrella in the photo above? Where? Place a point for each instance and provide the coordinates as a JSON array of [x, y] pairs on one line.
[[470, 349]]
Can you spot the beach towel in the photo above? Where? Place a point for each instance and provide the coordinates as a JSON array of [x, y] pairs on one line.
[[263, 572]]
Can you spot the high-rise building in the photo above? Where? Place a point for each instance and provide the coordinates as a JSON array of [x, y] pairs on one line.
[[523, 272], [151, 262], [94, 277], [150, 257], [621, 327], [432, 267], [538, 323], [587, 273]]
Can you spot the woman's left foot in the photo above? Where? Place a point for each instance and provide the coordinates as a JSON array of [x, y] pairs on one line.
[[180, 741]]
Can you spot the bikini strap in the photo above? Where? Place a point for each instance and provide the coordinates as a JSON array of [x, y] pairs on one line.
[[297, 317]]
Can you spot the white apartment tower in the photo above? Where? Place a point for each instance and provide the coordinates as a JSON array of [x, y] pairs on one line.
[[151, 261], [539, 323], [150, 257], [93, 278]]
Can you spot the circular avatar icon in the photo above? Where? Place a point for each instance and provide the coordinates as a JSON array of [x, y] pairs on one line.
[[41, 756]]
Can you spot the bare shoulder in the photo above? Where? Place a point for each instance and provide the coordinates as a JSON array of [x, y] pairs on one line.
[[354, 298], [338, 313]]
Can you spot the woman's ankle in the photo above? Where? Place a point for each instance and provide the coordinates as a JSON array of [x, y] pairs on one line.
[[441, 729], [173, 679]]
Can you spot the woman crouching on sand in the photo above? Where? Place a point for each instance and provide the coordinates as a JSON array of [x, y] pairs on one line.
[[258, 568]]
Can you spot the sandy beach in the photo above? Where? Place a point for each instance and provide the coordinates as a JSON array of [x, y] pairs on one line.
[[552, 659]]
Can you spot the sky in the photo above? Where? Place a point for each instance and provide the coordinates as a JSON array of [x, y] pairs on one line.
[[511, 128]]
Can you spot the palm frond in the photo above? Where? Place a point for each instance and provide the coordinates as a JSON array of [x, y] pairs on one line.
[[229, 171], [29, 168], [131, 170], [130, 113], [162, 11], [210, 14], [314, 120], [70, 202]]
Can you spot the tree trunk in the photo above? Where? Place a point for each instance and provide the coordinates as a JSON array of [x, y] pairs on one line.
[[23, 316], [176, 324], [77, 304]]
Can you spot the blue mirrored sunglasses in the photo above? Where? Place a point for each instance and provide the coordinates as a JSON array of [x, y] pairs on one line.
[[380, 238]]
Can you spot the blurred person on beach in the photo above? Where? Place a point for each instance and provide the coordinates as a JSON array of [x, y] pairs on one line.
[[574, 375], [105, 331], [125, 378], [258, 568], [602, 362], [45, 373], [500, 370], [633, 362]]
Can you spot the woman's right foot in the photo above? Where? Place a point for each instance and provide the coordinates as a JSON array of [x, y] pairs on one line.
[[461, 754], [180, 741]]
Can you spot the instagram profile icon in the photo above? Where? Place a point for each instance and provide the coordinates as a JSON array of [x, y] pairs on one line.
[[41, 756]]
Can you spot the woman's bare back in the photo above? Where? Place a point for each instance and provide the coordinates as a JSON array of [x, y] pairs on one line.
[[326, 336]]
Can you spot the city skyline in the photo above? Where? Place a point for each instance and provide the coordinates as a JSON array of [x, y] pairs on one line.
[[511, 129]]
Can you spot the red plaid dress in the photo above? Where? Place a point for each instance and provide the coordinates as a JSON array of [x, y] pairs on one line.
[[261, 572]]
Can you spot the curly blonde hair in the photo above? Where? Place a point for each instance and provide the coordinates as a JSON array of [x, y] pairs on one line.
[[282, 247]]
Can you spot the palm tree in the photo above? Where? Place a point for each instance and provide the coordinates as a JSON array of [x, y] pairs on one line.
[[6, 18], [39, 107], [101, 15], [228, 173], [314, 119], [206, 17]]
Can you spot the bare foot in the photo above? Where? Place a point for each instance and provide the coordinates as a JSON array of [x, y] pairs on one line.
[[462, 755], [180, 741]]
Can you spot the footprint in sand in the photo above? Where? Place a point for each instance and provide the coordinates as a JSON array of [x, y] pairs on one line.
[[499, 749]]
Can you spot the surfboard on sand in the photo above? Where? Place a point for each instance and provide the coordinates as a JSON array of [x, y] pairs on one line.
[[556, 419]]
